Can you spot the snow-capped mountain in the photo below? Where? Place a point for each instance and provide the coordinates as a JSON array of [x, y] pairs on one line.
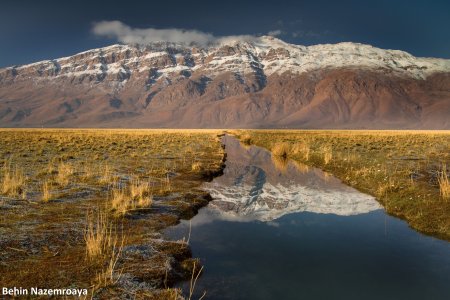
[[263, 82]]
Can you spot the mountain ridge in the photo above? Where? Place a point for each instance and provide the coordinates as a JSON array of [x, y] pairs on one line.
[[262, 83]]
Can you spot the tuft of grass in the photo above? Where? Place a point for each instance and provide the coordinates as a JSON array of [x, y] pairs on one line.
[[102, 246], [137, 196], [385, 188], [109, 275], [13, 182], [281, 149], [99, 236], [444, 183], [197, 166], [120, 201], [327, 155], [46, 191], [64, 172], [106, 175], [141, 194], [302, 149], [50, 168], [88, 173]]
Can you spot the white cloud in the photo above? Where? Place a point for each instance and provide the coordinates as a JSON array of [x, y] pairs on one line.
[[275, 32], [126, 34], [310, 33]]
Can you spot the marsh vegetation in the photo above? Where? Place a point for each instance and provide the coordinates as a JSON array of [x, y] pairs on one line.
[[87, 206]]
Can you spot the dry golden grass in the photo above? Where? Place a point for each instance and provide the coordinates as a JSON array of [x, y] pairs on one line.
[[98, 169], [121, 202], [65, 170], [137, 196], [46, 191], [194, 277], [106, 176], [166, 184], [280, 163], [141, 194], [385, 187], [246, 139], [50, 168], [110, 275], [444, 184], [13, 181], [197, 166], [87, 173], [102, 245], [126, 146], [302, 149], [281, 149], [301, 167], [327, 154], [98, 236]]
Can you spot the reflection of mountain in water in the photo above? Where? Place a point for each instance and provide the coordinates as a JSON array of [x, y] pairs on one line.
[[255, 186]]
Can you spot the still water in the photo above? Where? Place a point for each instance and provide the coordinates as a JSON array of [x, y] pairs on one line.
[[280, 230]]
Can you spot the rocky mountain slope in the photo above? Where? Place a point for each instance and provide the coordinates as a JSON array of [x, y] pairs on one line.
[[257, 83]]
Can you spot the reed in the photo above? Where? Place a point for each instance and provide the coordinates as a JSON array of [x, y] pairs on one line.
[[99, 236], [444, 183]]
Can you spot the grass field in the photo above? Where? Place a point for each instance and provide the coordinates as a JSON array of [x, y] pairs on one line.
[[407, 171], [84, 208]]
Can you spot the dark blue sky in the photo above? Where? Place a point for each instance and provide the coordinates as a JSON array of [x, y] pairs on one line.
[[36, 30]]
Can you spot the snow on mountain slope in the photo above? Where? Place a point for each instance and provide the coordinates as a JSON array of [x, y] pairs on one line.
[[266, 53], [262, 82]]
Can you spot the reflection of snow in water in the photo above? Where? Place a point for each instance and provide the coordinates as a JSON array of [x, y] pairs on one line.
[[256, 186]]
